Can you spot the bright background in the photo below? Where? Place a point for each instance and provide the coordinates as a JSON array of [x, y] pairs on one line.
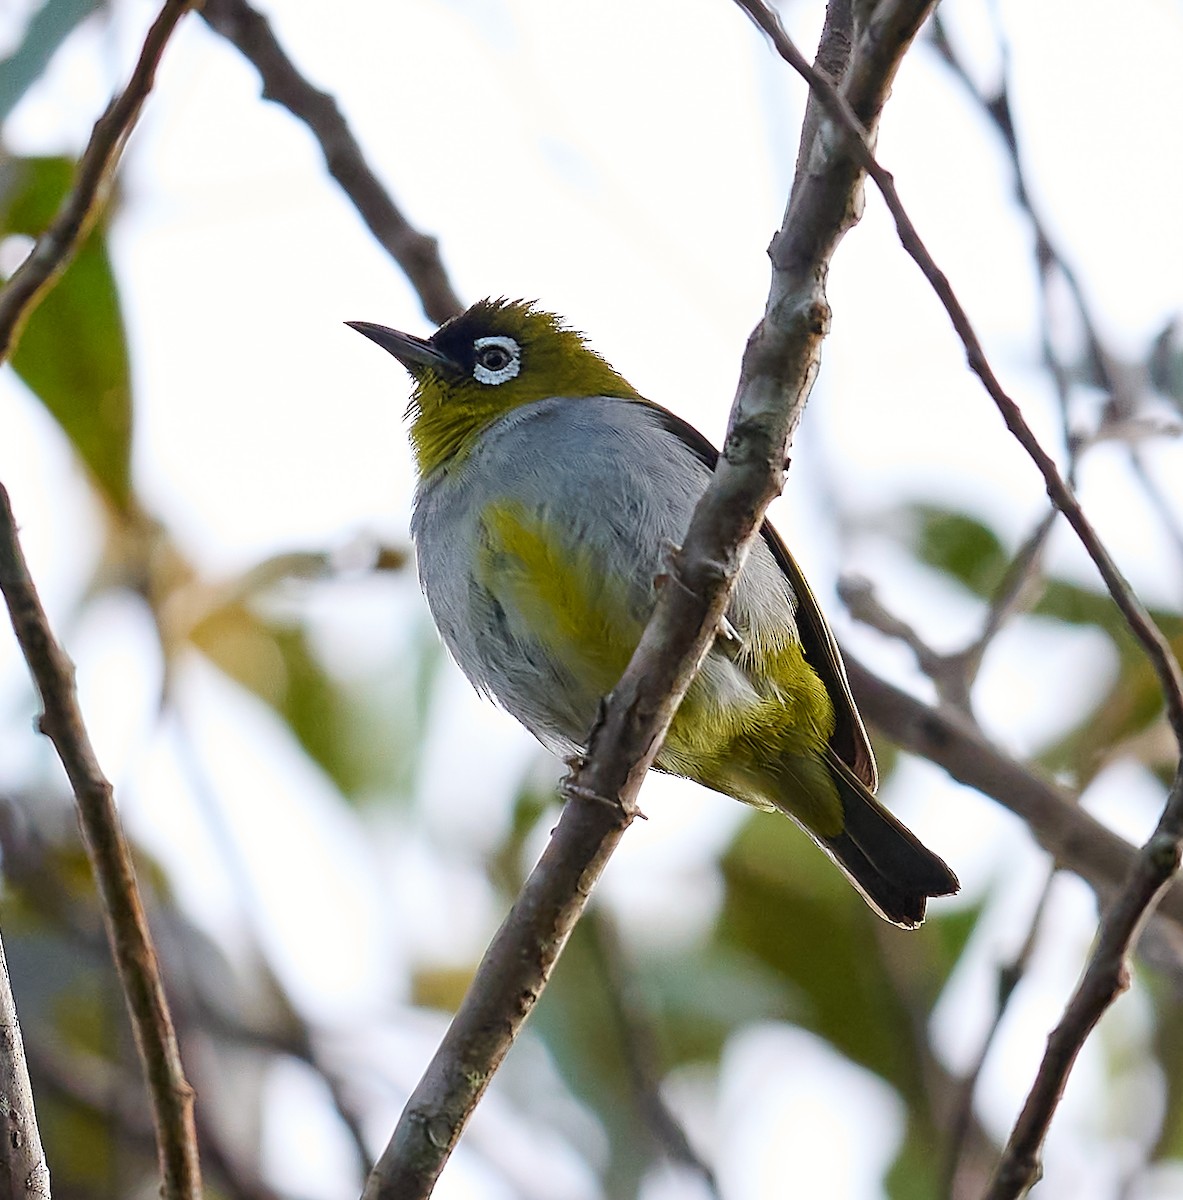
[[626, 164]]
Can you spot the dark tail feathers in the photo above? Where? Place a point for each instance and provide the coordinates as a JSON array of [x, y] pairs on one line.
[[894, 871]]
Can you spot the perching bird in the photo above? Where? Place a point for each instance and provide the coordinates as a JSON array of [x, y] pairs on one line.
[[548, 491]]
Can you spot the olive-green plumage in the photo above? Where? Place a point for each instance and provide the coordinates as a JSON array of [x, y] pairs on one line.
[[549, 490]]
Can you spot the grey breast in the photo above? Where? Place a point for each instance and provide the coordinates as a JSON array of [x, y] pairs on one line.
[[606, 476]]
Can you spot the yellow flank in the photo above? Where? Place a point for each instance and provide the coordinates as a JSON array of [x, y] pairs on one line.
[[759, 736], [543, 609], [579, 615], [766, 749]]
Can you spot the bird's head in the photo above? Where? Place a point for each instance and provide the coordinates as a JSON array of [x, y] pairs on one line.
[[494, 357]]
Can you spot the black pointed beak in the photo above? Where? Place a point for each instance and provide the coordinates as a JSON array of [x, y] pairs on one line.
[[414, 353]]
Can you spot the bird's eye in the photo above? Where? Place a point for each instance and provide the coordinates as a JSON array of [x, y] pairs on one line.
[[496, 359]]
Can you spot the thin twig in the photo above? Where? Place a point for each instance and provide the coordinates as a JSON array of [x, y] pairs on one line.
[[1010, 975], [1021, 579], [638, 1041], [127, 929], [300, 1041], [1124, 383], [1159, 501], [417, 253], [24, 1174], [102, 1089], [847, 119], [1105, 978], [953, 674], [56, 246], [997, 109], [946, 671], [779, 366]]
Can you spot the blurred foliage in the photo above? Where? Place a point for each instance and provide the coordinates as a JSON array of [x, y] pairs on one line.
[[48, 27], [965, 549], [791, 942], [362, 737], [1168, 1046], [960, 546], [72, 351], [1165, 363]]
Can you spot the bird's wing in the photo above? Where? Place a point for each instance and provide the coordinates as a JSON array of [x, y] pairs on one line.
[[849, 740]]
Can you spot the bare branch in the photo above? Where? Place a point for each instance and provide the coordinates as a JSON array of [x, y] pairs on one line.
[[946, 671], [1125, 384], [997, 109], [1077, 841], [102, 1088], [56, 246], [1105, 978], [849, 120], [123, 913], [953, 674], [415, 252], [779, 366], [24, 1174], [507, 984], [1023, 579]]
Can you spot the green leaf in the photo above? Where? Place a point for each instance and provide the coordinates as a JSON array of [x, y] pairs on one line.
[[916, 1172], [788, 905], [48, 28], [960, 546], [1076, 605], [72, 352], [1129, 708], [706, 994], [363, 739], [578, 1022], [1168, 1048]]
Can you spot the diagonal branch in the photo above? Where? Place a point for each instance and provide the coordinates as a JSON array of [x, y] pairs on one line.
[[846, 117], [1107, 973], [1105, 978], [417, 253], [24, 1174], [127, 929], [56, 246], [779, 366], [1075, 840]]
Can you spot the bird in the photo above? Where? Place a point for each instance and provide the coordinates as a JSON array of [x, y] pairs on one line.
[[549, 493]]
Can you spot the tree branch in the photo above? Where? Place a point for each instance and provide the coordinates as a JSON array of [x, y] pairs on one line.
[[123, 913], [1076, 840], [415, 252], [1107, 973], [779, 365], [24, 1174], [56, 246], [846, 116], [1105, 978]]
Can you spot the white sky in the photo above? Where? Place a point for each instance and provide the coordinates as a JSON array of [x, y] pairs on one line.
[[626, 164]]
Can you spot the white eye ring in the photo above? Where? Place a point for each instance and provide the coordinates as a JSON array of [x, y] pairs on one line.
[[497, 359]]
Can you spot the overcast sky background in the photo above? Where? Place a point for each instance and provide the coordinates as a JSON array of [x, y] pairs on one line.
[[626, 164]]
